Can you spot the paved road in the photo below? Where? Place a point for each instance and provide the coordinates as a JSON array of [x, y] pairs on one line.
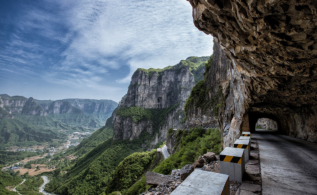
[[165, 152], [42, 187], [288, 165]]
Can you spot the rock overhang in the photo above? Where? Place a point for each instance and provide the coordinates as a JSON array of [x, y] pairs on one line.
[[272, 46]]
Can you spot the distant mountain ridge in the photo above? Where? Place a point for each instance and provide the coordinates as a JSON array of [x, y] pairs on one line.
[[22, 118], [102, 109]]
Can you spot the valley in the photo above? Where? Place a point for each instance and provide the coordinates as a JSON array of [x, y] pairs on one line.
[[240, 119]]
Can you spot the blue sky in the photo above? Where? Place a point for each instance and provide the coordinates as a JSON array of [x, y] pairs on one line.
[[55, 49]]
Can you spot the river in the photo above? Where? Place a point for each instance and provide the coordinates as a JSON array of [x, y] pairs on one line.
[[41, 189]]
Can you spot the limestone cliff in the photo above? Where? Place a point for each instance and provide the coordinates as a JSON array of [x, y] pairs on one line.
[[155, 100], [207, 97], [272, 47]]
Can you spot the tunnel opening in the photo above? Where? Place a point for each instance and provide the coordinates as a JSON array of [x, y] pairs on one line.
[[263, 122], [266, 124]]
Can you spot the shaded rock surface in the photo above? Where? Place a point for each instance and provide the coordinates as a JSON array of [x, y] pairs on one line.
[[156, 178], [272, 47], [185, 171]]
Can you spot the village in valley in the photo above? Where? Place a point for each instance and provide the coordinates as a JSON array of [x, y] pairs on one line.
[[45, 161]]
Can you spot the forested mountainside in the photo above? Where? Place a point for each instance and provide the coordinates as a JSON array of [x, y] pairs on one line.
[[26, 121], [155, 100], [158, 103]]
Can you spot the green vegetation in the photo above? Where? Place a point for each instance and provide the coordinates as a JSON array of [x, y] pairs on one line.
[[28, 125], [90, 174], [78, 119], [92, 141], [8, 179], [156, 115], [199, 96], [207, 67], [31, 185], [22, 134], [259, 127], [195, 65], [190, 145], [138, 187], [13, 157], [130, 170]]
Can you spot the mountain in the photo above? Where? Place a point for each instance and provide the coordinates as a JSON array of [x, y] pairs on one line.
[[26, 121], [155, 100]]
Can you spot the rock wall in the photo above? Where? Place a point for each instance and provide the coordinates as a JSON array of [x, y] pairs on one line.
[[21, 105], [217, 80], [158, 89], [272, 46]]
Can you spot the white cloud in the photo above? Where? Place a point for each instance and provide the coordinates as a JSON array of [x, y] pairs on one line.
[[147, 33], [78, 43]]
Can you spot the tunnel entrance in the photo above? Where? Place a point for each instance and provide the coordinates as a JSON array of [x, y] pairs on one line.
[[266, 124]]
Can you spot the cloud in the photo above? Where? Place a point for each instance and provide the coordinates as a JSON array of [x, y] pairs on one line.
[[145, 33], [98, 44]]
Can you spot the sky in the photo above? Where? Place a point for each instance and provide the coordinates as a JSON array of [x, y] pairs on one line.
[[56, 49]]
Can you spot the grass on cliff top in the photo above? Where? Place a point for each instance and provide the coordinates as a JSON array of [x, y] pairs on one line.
[[193, 63], [190, 145]]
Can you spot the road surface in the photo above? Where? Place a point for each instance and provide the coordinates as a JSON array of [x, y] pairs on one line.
[[165, 152], [288, 165], [41, 189]]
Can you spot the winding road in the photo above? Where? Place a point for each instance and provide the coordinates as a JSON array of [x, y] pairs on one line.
[[42, 187], [288, 165]]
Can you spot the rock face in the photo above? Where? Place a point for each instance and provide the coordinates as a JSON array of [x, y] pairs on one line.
[[157, 97], [204, 108], [156, 178], [272, 46], [267, 124]]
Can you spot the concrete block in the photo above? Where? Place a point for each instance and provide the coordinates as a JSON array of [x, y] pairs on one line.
[[202, 182], [244, 137], [244, 144], [232, 163], [246, 134]]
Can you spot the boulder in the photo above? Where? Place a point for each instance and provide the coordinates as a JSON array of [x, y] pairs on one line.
[[186, 170], [200, 162], [209, 156], [156, 178]]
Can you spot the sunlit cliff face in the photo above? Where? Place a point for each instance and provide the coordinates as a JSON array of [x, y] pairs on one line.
[[272, 46]]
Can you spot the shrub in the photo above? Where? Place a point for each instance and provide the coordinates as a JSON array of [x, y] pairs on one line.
[[191, 144]]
